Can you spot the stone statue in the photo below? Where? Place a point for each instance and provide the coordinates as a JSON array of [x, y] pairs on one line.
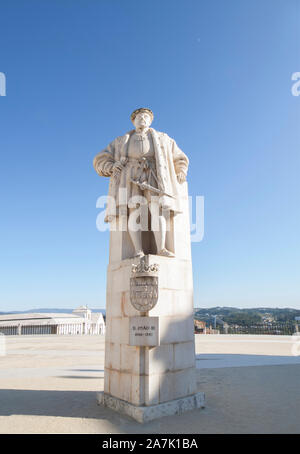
[[149, 366], [143, 164]]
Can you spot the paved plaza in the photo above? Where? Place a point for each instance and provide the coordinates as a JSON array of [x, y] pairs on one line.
[[48, 384]]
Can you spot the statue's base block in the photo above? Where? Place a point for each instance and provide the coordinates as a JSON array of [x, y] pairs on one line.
[[144, 414]]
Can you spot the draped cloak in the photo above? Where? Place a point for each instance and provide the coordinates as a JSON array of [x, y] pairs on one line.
[[169, 160]]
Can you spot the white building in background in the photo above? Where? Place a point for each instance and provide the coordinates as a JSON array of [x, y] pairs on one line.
[[82, 321]]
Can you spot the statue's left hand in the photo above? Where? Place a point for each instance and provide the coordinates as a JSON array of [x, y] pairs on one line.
[[181, 177]]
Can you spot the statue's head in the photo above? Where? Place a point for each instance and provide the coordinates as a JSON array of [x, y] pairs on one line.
[[142, 117]]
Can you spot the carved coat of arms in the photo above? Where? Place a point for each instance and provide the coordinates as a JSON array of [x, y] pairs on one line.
[[144, 286]]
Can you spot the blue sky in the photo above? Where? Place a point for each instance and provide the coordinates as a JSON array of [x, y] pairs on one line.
[[217, 75]]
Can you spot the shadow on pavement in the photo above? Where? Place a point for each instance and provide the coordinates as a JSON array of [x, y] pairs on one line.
[[216, 361], [79, 404]]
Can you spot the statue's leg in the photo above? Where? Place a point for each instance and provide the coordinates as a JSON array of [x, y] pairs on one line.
[[135, 236], [159, 226]]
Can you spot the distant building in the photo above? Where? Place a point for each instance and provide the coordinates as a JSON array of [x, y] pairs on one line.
[[211, 330], [201, 328], [81, 321]]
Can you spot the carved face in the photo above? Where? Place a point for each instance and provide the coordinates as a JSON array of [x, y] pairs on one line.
[[142, 119]]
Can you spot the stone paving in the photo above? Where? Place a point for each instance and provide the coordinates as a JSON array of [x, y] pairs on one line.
[[48, 384]]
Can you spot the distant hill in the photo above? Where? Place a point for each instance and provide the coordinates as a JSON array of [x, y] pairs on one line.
[[262, 310], [236, 315], [50, 311]]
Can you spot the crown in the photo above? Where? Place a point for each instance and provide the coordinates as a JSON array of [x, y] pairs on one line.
[[144, 269]]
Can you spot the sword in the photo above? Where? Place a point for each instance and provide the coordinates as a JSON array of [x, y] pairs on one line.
[[144, 186]]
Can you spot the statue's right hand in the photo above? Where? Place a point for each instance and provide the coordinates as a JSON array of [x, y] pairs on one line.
[[117, 167], [116, 172]]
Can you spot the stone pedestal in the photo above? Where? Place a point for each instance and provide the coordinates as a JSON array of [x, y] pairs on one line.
[[149, 382], [144, 413]]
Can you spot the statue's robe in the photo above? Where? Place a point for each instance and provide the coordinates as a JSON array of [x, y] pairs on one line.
[[170, 161]]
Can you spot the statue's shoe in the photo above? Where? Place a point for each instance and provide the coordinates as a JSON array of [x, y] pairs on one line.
[[166, 253], [139, 254]]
